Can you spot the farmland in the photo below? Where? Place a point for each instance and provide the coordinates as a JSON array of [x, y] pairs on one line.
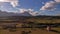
[[13, 25]]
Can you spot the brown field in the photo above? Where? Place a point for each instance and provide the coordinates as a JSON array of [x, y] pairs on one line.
[[33, 31]]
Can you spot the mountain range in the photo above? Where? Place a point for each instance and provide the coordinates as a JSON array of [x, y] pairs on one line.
[[4, 13]]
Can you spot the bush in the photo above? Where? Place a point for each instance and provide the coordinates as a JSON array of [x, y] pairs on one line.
[[24, 32], [4, 27], [12, 30]]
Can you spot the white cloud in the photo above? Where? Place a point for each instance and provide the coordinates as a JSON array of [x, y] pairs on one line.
[[49, 6], [26, 10], [23, 10], [14, 3], [43, 3], [57, 1], [30, 11]]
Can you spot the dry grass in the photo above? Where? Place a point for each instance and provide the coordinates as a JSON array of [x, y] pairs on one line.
[[19, 30]]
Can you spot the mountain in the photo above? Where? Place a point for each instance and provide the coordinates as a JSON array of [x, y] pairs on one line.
[[26, 13], [4, 13]]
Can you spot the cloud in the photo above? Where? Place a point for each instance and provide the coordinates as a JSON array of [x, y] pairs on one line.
[[14, 3], [57, 1], [30, 11], [43, 3], [26, 10], [49, 6]]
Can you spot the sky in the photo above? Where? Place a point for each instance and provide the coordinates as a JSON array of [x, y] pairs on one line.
[[34, 7]]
